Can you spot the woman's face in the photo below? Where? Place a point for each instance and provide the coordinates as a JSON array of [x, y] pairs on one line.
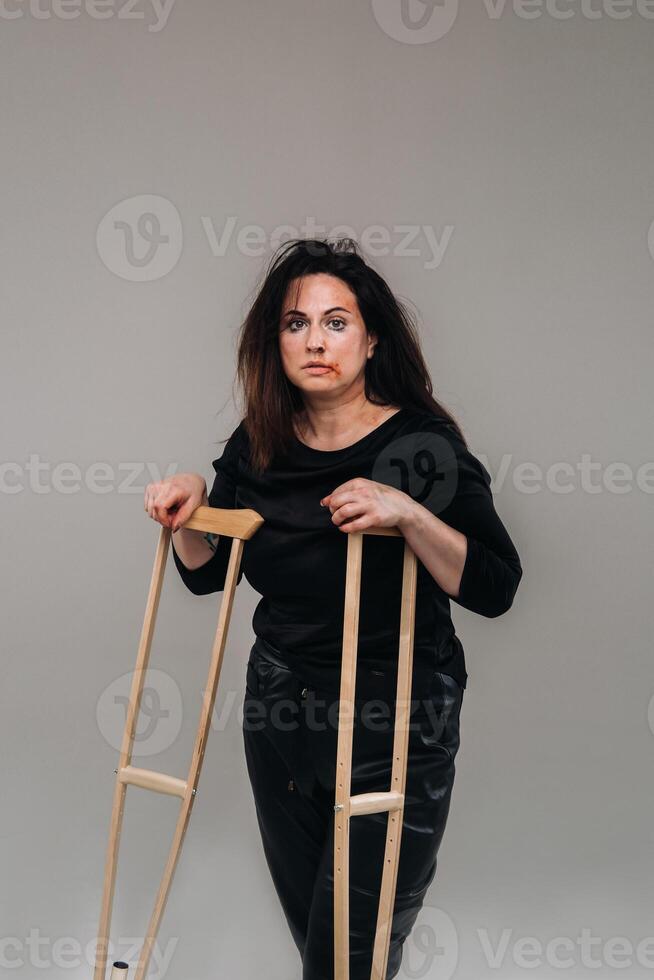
[[320, 321]]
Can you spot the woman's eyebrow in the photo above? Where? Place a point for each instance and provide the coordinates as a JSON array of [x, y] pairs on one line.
[[332, 309]]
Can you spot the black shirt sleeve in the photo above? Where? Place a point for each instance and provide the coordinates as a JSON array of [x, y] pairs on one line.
[[210, 577], [492, 570]]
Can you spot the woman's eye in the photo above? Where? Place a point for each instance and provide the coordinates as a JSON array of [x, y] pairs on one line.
[[335, 319]]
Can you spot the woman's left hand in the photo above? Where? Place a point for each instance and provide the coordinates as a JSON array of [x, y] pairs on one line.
[[360, 503]]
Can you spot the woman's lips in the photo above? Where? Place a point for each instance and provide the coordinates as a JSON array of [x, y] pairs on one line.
[[317, 369]]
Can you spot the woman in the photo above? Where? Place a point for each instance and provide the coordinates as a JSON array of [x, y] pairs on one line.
[[341, 432]]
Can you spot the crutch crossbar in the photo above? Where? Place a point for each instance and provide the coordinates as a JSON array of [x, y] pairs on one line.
[[375, 802], [157, 781]]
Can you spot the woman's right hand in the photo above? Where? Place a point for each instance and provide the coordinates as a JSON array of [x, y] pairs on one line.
[[172, 501]]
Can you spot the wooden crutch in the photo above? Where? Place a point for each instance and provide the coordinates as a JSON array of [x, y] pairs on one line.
[[392, 800], [240, 525]]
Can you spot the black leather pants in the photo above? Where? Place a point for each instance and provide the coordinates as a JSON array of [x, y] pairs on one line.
[[290, 732]]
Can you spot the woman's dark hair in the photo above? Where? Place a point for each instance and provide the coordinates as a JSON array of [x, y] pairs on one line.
[[396, 374]]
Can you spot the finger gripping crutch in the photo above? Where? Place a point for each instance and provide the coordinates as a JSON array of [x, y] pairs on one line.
[[240, 525], [392, 800]]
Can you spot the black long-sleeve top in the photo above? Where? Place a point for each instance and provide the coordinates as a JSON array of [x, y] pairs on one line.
[[297, 558]]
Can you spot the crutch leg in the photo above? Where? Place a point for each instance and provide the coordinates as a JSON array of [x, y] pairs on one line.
[[240, 525], [143, 656], [347, 806]]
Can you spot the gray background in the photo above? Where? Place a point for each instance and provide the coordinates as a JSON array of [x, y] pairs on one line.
[[530, 139]]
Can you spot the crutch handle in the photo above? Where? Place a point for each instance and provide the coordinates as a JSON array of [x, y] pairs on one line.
[[240, 522]]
